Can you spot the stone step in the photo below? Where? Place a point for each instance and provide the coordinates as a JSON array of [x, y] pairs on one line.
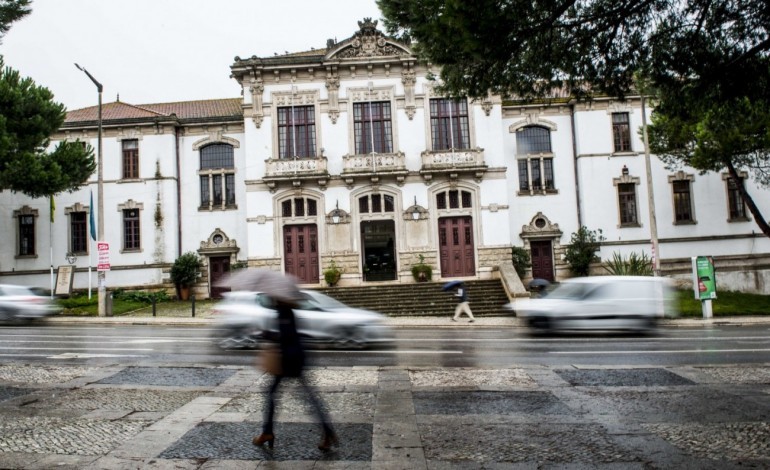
[[486, 298]]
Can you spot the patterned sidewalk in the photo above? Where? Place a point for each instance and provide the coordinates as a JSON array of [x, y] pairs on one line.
[[117, 417]]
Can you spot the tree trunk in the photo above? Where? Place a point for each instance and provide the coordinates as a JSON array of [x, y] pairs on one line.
[[758, 218]]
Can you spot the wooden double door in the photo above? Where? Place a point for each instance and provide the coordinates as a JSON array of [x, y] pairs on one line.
[[300, 252], [541, 254], [456, 248]]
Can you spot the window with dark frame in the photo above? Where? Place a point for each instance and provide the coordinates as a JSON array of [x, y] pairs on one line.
[[372, 126], [535, 160], [682, 201], [26, 235], [131, 234], [130, 158], [627, 204], [621, 132], [296, 132], [78, 232], [299, 207], [449, 124], [376, 203], [735, 201], [217, 176], [454, 199]]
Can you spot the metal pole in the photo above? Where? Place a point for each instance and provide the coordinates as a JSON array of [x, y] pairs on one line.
[[101, 275], [650, 195]]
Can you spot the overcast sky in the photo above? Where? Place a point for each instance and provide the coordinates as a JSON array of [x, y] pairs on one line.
[[152, 51]]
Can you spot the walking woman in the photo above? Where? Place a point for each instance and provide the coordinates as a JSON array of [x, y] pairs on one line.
[[292, 363]]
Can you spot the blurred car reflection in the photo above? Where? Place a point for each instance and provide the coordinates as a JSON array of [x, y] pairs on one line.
[[20, 303], [243, 316], [631, 303]]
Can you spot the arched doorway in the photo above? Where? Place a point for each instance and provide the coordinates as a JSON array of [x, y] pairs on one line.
[[378, 254]]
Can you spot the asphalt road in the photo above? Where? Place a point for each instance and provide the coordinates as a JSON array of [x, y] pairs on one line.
[[444, 347]]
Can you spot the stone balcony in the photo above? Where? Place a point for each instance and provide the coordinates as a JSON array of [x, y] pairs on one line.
[[374, 166], [296, 171], [453, 163]]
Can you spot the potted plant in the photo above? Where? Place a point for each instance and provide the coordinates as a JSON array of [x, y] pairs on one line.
[[332, 274], [185, 272], [422, 272]]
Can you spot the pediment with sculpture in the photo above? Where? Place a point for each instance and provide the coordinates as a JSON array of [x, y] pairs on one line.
[[368, 41]]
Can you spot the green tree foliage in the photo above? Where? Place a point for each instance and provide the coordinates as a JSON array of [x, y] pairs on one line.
[[707, 63], [521, 260], [582, 249], [11, 11], [28, 116]]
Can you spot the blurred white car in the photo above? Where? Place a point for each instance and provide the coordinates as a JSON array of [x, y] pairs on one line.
[[242, 317], [22, 303], [600, 303]]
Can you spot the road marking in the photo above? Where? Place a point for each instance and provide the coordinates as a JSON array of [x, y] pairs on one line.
[[672, 351], [76, 349], [384, 352], [91, 356]]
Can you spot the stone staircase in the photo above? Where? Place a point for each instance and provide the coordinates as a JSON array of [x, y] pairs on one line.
[[486, 298]]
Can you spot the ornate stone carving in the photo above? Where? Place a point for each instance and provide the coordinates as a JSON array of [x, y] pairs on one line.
[[540, 226], [256, 89], [409, 78], [369, 42], [333, 87]]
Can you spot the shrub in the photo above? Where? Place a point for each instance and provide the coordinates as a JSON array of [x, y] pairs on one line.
[[582, 249], [635, 265], [186, 269], [332, 274], [521, 260], [141, 296], [422, 272]]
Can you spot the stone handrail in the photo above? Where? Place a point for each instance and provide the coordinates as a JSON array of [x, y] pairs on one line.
[[295, 166], [450, 159], [373, 162]]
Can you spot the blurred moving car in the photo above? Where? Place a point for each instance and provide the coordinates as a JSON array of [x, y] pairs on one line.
[[243, 316], [634, 303], [23, 303]]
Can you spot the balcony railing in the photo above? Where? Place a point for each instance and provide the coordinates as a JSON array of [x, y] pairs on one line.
[[448, 160], [374, 163], [288, 167]]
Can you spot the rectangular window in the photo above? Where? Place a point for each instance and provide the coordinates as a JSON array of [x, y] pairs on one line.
[[449, 125], [536, 174], [130, 159], [682, 201], [131, 239], [215, 187], [299, 207], [26, 235], [296, 132], [78, 232], [621, 132], [441, 201], [735, 201], [205, 193], [627, 203], [372, 127]]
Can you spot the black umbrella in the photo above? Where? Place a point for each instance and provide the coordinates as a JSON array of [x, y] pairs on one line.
[[451, 285], [272, 283]]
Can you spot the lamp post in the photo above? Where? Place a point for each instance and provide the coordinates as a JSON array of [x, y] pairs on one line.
[[101, 275]]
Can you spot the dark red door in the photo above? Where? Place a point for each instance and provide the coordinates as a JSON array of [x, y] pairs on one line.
[[300, 251], [455, 236], [542, 260], [219, 266]]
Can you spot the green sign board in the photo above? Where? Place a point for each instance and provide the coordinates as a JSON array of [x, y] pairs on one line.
[[704, 278]]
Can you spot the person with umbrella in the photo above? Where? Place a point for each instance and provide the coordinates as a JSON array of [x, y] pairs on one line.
[[462, 299], [283, 290]]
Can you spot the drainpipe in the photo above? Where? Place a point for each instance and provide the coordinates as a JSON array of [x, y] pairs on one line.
[[177, 130], [575, 157]]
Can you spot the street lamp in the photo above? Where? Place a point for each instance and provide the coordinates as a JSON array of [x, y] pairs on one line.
[[101, 275]]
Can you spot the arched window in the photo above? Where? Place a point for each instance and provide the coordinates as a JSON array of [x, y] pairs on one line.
[[299, 207], [375, 203], [454, 199], [535, 160], [217, 176]]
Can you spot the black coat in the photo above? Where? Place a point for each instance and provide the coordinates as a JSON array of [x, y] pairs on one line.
[[292, 352]]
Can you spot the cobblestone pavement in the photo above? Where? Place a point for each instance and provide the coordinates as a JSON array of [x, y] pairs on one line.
[[119, 417]]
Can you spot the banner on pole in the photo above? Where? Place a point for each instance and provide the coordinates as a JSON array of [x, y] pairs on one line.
[[103, 262]]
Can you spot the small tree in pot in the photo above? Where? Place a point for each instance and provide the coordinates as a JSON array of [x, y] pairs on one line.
[[185, 272], [422, 272]]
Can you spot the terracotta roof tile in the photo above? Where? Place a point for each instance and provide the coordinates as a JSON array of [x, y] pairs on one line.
[[118, 110]]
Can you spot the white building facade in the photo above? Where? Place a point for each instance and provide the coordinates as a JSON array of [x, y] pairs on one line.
[[348, 155]]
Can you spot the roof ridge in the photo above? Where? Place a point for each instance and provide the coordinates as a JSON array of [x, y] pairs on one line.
[[141, 106]]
